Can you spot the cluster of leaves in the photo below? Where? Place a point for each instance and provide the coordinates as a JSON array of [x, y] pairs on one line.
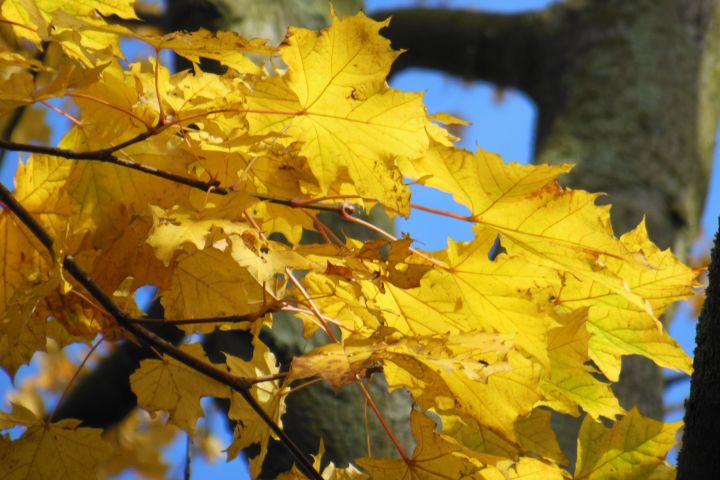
[[203, 184]]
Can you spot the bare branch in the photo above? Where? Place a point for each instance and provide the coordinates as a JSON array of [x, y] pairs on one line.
[[502, 49]]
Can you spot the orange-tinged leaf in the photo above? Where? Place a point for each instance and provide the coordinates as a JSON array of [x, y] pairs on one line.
[[169, 385], [23, 264], [536, 434], [59, 450], [633, 448], [22, 333], [479, 181]]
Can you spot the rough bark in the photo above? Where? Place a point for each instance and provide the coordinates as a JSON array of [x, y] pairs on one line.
[[698, 458], [628, 91]]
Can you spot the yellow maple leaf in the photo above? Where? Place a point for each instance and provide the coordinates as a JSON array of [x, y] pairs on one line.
[[66, 451], [479, 181], [436, 457], [210, 283], [534, 436], [169, 385], [496, 404], [507, 295], [138, 443], [331, 96], [22, 333], [619, 327], [26, 279], [228, 48], [40, 188], [571, 381], [633, 448]]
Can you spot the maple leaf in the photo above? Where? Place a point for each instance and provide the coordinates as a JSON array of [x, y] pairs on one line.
[[39, 186], [333, 93], [438, 457], [169, 385], [534, 434], [505, 295], [136, 441], [572, 382], [633, 448], [68, 452], [619, 327], [228, 48], [22, 333]]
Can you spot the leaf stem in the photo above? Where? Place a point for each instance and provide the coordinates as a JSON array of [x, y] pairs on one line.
[[381, 418], [464, 218], [313, 307], [110, 105], [52, 107], [350, 218]]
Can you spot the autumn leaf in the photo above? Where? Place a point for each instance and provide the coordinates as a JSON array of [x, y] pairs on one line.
[[572, 383], [169, 385], [67, 451], [335, 91], [633, 448], [438, 457]]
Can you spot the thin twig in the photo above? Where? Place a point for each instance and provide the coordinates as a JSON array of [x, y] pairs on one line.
[[384, 423], [313, 307], [28, 220], [250, 317], [350, 218], [213, 186]]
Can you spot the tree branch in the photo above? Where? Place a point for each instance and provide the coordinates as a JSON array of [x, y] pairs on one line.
[[698, 456], [250, 317], [106, 155], [473, 45]]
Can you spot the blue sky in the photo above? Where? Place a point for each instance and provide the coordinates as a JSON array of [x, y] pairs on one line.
[[504, 127]]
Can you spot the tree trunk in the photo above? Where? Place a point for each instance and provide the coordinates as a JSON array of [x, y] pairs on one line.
[[698, 459], [628, 91]]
